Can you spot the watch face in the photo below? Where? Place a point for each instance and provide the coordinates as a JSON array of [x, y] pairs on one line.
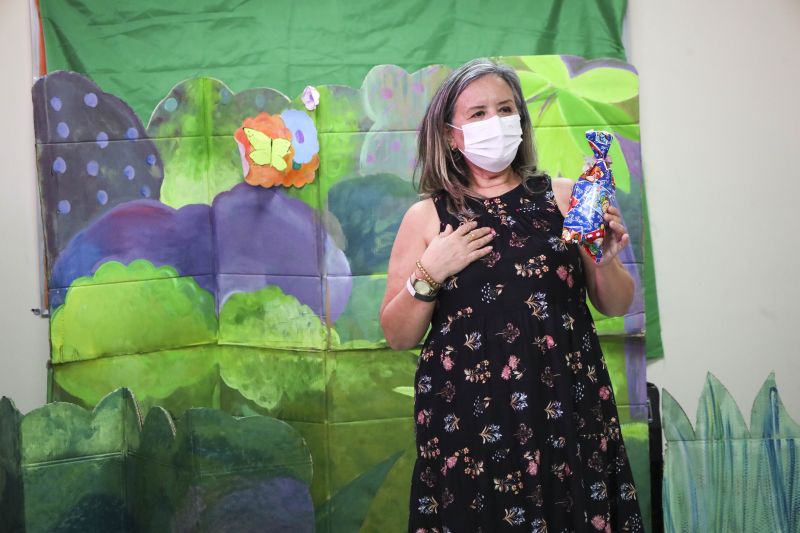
[[422, 287]]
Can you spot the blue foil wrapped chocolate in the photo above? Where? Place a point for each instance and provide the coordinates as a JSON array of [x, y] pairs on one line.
[[592, 194]]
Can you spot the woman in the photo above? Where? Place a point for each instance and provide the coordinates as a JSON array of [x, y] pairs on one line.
[[516, 424]]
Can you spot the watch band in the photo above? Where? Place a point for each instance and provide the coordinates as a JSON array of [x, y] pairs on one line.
[[417, 295]]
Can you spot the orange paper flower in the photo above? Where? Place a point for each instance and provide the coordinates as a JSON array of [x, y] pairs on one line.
[[267, 151]]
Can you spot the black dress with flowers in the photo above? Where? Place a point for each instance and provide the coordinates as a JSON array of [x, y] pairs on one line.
[[516, 424]]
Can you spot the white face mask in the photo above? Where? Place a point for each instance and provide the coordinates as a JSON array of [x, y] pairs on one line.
[[492, 143]]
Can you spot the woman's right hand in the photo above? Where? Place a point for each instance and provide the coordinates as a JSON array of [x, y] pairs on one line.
[[452, 250]]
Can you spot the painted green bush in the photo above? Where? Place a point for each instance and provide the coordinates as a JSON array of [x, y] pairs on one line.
[[270, 318], [110, 470], [11, 497], [193, 128], [131, 308], [722, 475]]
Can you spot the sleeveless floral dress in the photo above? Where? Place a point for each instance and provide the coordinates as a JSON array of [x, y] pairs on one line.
[[516, 424]]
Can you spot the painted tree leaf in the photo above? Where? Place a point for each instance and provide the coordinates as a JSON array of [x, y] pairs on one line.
[[405, 391], [769, 418], [770, 421], [618, 120], [605, 84], [551, 68], [718, 416], [346, 510], [676, 424], [723, 482], [558, 153], [533, 85], [547, 112], [580, 113]]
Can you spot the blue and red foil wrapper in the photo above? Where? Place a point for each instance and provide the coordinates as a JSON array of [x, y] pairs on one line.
[[592, 194]]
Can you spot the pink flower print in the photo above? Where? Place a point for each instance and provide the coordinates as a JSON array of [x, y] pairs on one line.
[[449, 463], [506, 373], [447, 362], [533, 468], [604, 444], [513, 361], [550, 341], [599, 522], [605, 392], [565, 275], [424, 417]]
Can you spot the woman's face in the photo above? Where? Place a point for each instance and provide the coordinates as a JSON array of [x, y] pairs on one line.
[[484, 98]]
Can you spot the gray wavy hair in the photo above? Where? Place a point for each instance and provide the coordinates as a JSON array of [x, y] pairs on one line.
[[443, 170]]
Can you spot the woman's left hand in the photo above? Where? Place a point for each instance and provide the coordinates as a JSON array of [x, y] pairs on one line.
[[616, 237]]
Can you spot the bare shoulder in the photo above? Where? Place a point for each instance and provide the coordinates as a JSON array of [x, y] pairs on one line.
[[422, 219], [562, 189]]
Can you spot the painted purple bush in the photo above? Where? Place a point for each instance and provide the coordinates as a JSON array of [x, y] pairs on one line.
[[92, 154], [265, 237], [249, 238], [142, 229]]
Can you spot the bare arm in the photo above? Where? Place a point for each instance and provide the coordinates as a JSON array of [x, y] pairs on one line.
[[609, 285], [405, 319]]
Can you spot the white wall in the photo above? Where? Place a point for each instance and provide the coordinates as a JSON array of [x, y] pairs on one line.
[[720, 113], [23, 337], [720, 117]]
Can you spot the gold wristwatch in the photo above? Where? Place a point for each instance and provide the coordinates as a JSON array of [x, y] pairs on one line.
[[421, 289]]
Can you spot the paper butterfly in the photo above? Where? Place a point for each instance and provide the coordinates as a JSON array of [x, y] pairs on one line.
[[267, 151]]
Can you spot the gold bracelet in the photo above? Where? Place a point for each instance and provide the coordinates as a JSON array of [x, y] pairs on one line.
[[428, 278]]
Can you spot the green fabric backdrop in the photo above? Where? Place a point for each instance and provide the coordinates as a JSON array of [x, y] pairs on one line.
[[137, 50]]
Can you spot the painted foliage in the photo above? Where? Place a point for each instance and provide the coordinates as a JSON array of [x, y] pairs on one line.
[[721, 475], [250, 278], [111, 469]]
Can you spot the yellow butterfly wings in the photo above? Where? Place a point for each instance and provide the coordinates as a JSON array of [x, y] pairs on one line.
[[266, 150]]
